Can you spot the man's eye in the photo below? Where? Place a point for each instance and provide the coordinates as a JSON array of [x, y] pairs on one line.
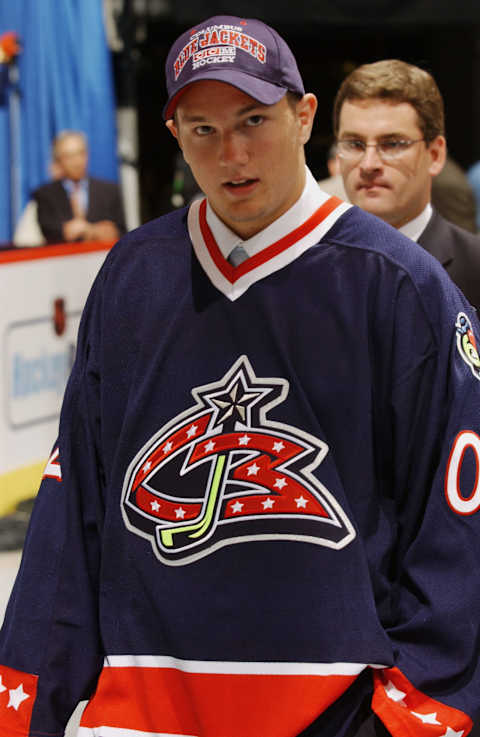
[[392, 146], [352, 145], [255, 120], [203, 130]]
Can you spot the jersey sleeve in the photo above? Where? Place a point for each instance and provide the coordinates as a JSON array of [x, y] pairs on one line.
[[434, 461], [50, 648]]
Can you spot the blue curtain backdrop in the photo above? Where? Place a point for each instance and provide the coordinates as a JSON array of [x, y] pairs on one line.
[[65, 80]]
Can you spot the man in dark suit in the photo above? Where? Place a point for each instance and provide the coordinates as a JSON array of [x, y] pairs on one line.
[[389, 125], [76, 207]]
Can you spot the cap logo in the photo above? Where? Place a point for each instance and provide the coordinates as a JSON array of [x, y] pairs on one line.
[[218, 44]]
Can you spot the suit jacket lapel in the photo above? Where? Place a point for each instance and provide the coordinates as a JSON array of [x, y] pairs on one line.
[[63, 200], [435, 239], [91, 201]]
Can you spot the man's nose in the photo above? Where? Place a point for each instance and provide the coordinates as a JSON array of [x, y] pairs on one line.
[[233, 149], [371, 158]]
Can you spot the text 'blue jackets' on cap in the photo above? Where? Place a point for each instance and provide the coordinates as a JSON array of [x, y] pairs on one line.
[[245, 53]]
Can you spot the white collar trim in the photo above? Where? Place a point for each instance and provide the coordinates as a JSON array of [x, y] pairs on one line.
[[284, 240], [415, 227]]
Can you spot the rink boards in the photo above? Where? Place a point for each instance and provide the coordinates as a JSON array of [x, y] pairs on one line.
[[43, 292]]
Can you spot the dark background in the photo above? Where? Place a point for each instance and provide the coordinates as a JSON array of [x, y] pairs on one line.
[[328, 38]]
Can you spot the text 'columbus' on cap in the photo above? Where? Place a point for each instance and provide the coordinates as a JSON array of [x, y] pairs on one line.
[[243, 52]]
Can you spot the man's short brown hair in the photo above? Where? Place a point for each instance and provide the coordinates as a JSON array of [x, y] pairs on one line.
[[395, 81]]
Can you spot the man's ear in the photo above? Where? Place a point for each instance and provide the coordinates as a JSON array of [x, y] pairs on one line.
[[438, 155], [172, 128], [306, 109]]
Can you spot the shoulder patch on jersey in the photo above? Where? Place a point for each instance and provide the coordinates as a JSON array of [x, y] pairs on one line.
[[466, 343], [232, 476]]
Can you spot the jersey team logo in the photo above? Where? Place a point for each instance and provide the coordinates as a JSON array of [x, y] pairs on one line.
[[466, 344], [222, 473]]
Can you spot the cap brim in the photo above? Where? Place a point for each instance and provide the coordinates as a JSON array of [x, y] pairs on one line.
[[264, 92]]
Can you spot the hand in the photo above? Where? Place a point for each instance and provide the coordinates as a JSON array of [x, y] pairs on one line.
[[103, 230], [75, 229]]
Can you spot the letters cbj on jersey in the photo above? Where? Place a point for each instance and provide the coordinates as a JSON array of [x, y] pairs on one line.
[[221, 473]]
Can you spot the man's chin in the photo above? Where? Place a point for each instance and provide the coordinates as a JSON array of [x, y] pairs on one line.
[[374, 205]]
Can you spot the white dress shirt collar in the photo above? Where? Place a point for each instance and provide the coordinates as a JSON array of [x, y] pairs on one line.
[[311, 198], [415, 227], [301, 227]]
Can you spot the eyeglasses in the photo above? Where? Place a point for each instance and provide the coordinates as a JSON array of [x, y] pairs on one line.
[[352, 150]]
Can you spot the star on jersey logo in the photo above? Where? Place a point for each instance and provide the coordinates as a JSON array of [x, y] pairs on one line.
[[234, 404], [233, 475]]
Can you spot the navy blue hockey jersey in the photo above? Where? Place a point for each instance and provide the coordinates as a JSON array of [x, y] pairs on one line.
[[262, 508]]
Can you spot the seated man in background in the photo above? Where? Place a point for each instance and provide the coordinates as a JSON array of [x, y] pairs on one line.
[[390, 130], [76, 207]]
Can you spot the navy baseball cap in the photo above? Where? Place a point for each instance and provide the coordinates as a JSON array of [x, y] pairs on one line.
[[243, 52]]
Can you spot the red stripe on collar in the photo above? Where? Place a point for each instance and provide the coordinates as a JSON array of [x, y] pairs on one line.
[[232, 273]]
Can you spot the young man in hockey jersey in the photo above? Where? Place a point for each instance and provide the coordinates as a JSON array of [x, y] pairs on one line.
[[390, 128], [261, 517]]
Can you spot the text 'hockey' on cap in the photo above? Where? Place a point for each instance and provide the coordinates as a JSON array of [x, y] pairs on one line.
[[245, 53]]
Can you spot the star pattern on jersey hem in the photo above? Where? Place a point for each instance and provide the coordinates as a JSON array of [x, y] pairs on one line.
[[407, 711], [18, 692]]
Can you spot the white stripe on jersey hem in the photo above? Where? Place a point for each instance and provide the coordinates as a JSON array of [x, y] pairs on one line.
[[122, 732], [237, 668]]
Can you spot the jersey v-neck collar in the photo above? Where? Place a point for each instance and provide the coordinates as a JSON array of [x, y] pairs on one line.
[[301, 227]]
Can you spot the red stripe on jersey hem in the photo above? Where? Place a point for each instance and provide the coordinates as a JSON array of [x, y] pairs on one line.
[[407, 712], [167, 700], [231, 273]]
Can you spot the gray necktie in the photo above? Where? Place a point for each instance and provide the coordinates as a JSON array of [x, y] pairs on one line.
[[237, 256]]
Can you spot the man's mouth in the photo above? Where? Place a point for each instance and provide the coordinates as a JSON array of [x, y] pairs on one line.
[[239, 184], [372, 185]]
